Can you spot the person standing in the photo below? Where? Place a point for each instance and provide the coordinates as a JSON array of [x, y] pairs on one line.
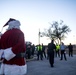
[[63, 52], [51, 47], [39, 54], [33, 50], [28, 52], [12, 50], [70, 47], [43, 51], [57, 50]]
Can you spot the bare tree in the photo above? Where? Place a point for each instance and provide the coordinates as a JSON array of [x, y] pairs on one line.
[[56, 31]]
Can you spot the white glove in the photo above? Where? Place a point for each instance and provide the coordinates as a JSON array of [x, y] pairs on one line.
[[8, 54]]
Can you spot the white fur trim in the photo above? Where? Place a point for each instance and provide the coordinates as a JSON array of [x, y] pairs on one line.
[[8, 54], [13, 69], [1, 52], [14, 24]]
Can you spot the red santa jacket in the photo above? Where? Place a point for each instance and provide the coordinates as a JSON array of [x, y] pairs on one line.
[[14, 39]]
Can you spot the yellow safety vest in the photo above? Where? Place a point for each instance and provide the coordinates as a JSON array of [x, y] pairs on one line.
[[57, 47], [39, 48]]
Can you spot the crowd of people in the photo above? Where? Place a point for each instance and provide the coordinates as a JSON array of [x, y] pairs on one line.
[[49, 51], [32, 50]]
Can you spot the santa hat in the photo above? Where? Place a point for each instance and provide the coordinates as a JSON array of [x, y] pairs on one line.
[[11, 19], [12, 22]]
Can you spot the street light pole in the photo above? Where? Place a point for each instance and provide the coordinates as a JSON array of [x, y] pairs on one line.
[[39, 36]]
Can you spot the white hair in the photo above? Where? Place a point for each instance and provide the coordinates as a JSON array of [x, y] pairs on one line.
[[14, 24]]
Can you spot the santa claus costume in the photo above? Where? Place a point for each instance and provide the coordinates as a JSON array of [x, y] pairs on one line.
[[12, 49]]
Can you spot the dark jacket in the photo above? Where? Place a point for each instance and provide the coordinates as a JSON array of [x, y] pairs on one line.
[[51, 47]]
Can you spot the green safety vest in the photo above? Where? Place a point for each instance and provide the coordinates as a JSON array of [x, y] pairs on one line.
[[57, 47], [39, 48]]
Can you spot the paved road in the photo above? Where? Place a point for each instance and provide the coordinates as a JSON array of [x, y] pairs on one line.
[[60, 67]]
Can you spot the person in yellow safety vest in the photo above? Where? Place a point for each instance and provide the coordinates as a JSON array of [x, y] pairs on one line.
[[57, 50], [39, 54]]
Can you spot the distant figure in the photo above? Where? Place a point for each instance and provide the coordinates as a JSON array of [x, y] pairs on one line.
[[63, 52], [43, 50], [70, 47], [28, 51], [47, 53], [33, 49], [39, 53], [51, 47], [57, 50]]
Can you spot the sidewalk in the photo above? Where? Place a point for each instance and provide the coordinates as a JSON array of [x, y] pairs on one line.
[[60, 67]]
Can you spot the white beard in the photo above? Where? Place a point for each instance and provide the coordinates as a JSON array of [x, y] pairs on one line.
[[11, 27]]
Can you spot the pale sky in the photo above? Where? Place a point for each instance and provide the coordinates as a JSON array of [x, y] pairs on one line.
[[35, 14]]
